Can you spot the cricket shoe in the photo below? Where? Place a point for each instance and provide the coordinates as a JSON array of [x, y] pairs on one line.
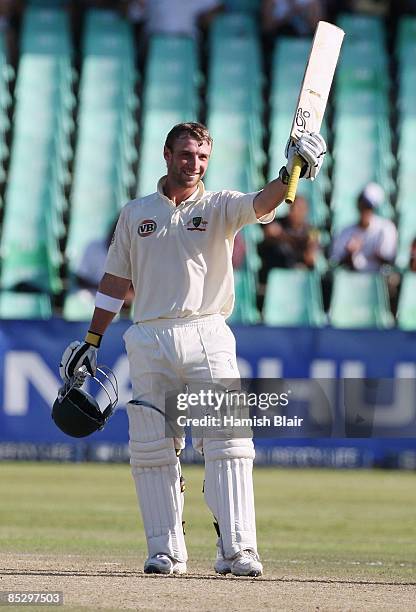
[[246, 563], [163, 564], [222, 565]]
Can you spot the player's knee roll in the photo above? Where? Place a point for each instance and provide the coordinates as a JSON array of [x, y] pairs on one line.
[[152, 454], [241, 448]]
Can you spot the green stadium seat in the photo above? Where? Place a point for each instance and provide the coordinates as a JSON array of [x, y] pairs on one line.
[[245, 6], [235, 65], [235, 121], [107, 127], [362, 118], [45, 19], [407, 30], [406, 42], [406, 309], [106, 70], [30, 248], [170, 96], [99, 21], [40, 152], [363, 27], [293, 298], [233, 25], [359, 300], [245, 311], [245, 173], [405, 194], [28, 264], [45, 43], [16, 305], [353, 76], [90, 222], [155, 129], [78, 306], [407, 233], [406, 128]]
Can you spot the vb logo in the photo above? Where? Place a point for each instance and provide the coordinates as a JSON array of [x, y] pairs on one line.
[[147, 227]]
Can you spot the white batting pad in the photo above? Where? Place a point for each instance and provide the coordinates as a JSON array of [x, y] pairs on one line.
[[156, 472], [229, 492], [161, 504]]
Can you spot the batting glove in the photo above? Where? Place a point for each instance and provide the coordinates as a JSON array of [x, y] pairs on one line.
[[79, 354], [312, 149]]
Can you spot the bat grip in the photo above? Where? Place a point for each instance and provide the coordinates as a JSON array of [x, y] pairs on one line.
[[293, 180]]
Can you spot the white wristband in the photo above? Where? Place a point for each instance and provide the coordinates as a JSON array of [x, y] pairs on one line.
[[106, 302]]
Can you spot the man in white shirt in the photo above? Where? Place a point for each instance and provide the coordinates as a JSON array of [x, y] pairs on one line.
[[179, 16], [175, 246], [370, 243]]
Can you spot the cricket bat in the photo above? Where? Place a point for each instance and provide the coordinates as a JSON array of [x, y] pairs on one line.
[[314, 91]]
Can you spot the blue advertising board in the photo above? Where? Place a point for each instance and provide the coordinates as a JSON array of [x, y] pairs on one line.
[[29, 382]]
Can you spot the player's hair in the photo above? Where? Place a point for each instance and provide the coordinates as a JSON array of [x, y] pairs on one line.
[[198, 131]]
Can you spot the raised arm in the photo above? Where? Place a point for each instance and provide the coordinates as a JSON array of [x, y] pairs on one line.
[[269, 198], [312, 149]]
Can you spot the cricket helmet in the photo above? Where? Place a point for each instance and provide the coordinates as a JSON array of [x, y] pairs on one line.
[[76, 412]]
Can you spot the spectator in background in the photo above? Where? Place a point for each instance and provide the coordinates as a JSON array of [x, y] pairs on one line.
[[372, 242], [134, 10], [91, 267], [293, 17], [180, 16], [290, 242]]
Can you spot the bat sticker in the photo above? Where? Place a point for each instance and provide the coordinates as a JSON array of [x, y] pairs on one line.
[[301, 117]]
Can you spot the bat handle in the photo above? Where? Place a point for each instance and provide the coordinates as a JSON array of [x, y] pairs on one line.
[[293, 180]]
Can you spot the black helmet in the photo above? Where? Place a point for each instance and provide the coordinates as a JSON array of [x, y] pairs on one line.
[[76, 412]]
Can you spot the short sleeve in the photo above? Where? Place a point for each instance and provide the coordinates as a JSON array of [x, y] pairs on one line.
[[118, 257], [388, 242], [239, 210]]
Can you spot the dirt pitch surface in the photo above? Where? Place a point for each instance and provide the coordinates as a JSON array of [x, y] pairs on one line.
[[92, 584]]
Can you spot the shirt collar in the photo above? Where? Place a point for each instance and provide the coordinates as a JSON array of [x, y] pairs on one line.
[[194, 197]]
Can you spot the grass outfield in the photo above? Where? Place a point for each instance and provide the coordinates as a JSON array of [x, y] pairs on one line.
[[311, 523]]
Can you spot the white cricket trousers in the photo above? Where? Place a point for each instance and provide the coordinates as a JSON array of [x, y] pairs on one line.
[[166, 355]]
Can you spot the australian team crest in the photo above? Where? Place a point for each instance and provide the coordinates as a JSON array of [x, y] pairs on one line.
[[197, 224]]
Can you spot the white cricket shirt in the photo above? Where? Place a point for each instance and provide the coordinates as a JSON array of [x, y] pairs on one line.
[[179, 257]]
